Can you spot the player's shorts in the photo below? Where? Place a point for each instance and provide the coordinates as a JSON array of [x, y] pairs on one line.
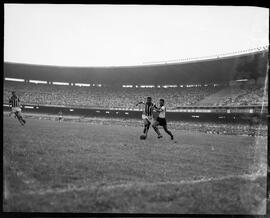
[[149, 118], [161, 121], [16, 109]]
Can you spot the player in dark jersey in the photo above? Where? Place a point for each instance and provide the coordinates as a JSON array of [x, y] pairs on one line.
[[147, 115], [161, 120], [14, 102]]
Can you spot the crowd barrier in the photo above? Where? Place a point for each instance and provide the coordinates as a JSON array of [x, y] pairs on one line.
[[214, 114]]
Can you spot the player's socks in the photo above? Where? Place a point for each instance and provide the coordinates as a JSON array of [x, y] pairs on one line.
[[144, 130], [169, 133], [22, 119], [157, 131], [146, 133], [160, 136]]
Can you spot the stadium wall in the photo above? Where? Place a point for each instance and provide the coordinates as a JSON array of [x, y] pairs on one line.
[[219, 115]]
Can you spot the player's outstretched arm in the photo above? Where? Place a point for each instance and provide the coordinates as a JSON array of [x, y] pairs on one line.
[[141, 102], [158, 109]]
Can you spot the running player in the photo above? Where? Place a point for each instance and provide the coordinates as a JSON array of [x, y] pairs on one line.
[[14, 101], [161, 120], [147, 115], [60, 116]]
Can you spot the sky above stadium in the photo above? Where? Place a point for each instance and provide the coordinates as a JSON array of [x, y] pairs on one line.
[[122, 35]]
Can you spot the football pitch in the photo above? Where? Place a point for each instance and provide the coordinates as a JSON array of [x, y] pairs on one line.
[[83, 167]]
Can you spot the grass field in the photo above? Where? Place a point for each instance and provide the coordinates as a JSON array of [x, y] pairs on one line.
[[82, 167]]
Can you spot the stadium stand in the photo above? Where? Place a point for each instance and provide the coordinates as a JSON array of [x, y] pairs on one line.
[[237, 96], [224, 71], [117, 97]]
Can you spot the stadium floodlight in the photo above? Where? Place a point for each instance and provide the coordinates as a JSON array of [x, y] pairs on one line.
[[82, 84], [14, 79], [29, 107], [38, 81], [60, 83], [127, 86]]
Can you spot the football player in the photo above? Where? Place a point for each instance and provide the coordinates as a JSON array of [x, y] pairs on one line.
[[161, 120], [14, 101], [147, 115]]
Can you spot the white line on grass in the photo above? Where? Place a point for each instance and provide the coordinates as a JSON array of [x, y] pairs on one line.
[[72, 187]]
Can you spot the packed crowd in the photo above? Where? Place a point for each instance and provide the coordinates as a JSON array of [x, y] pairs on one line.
[[107, 97], [113, 97], [254, 96], [243, 96]]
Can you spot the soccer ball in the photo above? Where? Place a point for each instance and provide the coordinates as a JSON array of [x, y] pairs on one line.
[[143, 137]]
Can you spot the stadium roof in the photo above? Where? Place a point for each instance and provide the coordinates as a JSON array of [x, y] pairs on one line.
[[207, 71]]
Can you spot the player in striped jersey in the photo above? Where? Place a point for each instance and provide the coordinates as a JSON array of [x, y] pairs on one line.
[[60, 116], [147, 115], [14, 101], [161, 120]]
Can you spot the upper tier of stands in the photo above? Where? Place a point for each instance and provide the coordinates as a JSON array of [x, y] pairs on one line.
[[115, 97]]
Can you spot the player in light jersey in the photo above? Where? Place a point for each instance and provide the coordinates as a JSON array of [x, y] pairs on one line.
[[147, 115], [161, 120]]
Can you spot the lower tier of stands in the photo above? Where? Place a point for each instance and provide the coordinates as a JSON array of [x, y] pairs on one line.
[[113, 97]]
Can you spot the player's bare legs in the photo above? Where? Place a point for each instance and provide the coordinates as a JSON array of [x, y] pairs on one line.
[[146, 126], [168, 132], [155, 127], [19, 115]]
